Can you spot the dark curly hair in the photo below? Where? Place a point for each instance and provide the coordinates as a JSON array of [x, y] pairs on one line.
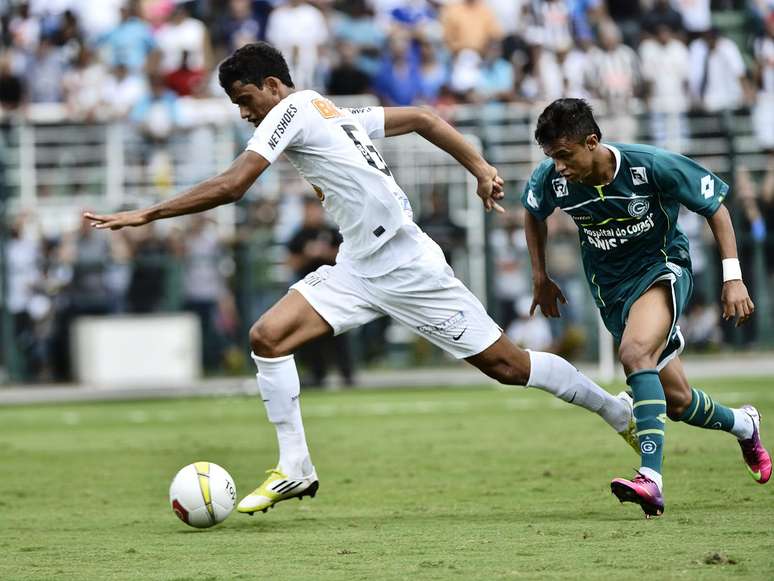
[[571, 119], [251, 64]]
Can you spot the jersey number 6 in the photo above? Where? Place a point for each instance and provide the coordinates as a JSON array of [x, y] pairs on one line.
[[369, 151]]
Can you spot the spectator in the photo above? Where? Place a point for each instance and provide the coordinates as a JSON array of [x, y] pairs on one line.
[[496, 79], [539, 76], [315, 245], [45, 73], [508, 245], [239, 27], [416, 16], [758, 11], [398, 82], [763, 112], [615, 78], [509, 14], [131, 42], [23, 276], [299, 31], [717, 73], [662, 14], [88, 255], [627, 15], [203, 284], [122, 91], [84, 86], [25, 29], [155, 117], [345, 77], [551, 26], [469, 24], [584, 15], [186, 81], [354, 23], [466, 74], [68, 35], [434, 75], [665, 70], [151, 261], [184, 42], [157, 112], [696, 16], [436, 222], [530, 331], [576, 67], [11, 85]]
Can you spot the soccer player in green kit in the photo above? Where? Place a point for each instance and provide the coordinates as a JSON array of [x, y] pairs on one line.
[[624, 200]]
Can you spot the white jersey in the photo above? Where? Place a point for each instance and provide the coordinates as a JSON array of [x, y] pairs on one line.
[[332, 149]]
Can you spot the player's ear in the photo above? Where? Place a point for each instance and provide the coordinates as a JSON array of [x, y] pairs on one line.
[[592, 141], [272, 83]]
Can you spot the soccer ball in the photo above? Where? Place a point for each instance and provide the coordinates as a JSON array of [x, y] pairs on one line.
[[202, 494]]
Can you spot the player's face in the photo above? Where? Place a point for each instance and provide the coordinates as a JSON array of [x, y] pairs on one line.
[[573, 160], [254, 103]]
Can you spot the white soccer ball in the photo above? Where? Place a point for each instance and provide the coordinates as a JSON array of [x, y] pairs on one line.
[[202, 494]]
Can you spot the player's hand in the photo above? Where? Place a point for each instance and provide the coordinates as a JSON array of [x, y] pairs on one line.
[[736, 301], [546, 294], [490, 190], [117, 221]]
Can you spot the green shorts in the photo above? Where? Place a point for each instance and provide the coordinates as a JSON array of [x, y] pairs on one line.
[[681, 280]]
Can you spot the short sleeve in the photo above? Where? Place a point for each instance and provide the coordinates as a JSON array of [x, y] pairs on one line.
[[371, 118], [281, 128], [684, 180], [537, 202]]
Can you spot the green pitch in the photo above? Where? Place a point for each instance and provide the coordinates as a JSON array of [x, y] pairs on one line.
[[415, 484]]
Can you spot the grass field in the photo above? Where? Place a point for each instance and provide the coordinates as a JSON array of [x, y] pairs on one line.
[[415, 484]]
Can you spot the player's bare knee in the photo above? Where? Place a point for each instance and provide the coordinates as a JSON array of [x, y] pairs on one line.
[[265, 339], [636, 355], [510, 373]]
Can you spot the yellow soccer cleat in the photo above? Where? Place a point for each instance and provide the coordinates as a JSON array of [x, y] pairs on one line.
[[276, 488], [630, 433]]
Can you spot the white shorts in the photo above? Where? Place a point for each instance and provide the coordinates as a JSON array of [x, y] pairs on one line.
[[423, 294]]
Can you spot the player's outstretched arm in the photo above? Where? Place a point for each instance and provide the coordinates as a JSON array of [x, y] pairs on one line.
[[224, 188], [734, 297], [545, 292], [402, 120]]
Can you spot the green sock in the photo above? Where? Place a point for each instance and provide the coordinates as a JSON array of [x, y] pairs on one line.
[[649, 415], [704, 412]]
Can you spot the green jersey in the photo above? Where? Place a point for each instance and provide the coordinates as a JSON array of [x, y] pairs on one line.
[[629, 225]]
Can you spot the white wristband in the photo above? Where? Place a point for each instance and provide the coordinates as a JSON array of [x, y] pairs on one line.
[[731, 269]]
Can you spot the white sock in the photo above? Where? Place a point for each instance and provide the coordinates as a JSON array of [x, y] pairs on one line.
[[743, 425], [653, 475], [555, 375], [280, 391]]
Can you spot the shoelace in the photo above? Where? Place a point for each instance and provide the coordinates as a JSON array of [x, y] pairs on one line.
[[641, 478]]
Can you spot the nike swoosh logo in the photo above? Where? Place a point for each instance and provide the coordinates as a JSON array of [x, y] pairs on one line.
[[457, 338], [572, 399], [756, 475]]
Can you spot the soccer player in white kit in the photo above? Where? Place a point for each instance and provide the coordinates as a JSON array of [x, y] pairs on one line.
[[385, 266]]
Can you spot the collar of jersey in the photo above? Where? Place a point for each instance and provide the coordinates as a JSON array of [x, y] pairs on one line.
[[617, 155]]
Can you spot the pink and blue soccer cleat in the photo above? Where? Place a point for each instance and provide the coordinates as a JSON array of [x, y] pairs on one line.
[[640, 490], [755, 455]]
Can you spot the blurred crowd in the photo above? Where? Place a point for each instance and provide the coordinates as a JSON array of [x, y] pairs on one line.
[[118, 58]]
